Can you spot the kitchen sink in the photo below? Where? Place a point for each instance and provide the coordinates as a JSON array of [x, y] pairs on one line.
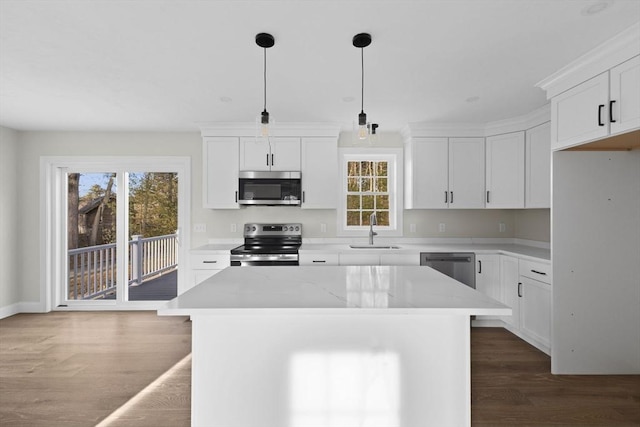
[[373, 247]]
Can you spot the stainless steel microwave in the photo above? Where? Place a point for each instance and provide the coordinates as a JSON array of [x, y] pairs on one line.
[[269, 188]]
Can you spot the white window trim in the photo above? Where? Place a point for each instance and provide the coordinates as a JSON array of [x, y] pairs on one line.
[[52, 221], [396, 173]]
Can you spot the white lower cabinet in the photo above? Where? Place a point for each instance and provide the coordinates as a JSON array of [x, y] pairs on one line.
[[206, 264], [322, 259], [359, 259], [488, 279], [400, 259], [529, 298], [509, 276], [535, 310]]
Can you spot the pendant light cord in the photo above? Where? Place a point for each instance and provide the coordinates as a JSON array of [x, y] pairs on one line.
[[362, 79], [265, 79]]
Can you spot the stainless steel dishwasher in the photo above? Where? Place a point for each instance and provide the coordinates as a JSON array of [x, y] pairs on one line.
[[458, 265]]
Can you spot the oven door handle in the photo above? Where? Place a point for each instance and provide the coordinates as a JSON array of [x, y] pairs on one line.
[[263, 257]]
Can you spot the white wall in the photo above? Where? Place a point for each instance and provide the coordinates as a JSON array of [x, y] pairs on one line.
[[33, 145], [9, 222]]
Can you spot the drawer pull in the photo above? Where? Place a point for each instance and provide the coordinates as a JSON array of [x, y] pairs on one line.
[[539, 272], [319, 260], [209, 262]]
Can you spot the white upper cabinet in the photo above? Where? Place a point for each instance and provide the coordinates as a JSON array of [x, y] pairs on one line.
[[444, 173], [466, 173], [427, 173], [319, 173], [275, 154], [538, 167], [581, 113], [220, 172], [624, 101], [505, 171], [597, 95]]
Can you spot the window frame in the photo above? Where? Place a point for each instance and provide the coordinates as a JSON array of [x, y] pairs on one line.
[[393, 157]]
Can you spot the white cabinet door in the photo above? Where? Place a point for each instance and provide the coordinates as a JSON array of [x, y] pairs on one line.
[[359, 259], [220, 173], [285, 154], [538, 167], [255, 154], [625, 96], [581, 113], [319, 173], [488, 275], [466, 173], [511, 289], [427, 173], [535, 310], [488, 278], [400, 259], [505, 171]]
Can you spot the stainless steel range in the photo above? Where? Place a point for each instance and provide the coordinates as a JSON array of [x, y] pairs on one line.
[[268, 244]]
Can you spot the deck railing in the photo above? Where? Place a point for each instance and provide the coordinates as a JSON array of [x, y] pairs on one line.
[[93, 270]]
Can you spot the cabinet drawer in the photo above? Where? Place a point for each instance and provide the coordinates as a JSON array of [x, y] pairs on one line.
[[210, 261], [319, 259], [536, 270]]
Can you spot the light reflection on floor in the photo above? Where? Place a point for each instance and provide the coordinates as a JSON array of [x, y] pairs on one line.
[[345, 388]]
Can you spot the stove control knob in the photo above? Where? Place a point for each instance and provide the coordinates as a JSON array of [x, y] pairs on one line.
[[253, 228], [248, 228], [285, 228], [297, 228]]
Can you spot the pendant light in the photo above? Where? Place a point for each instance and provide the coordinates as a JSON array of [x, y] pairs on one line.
[[361, 41], [265, 41]]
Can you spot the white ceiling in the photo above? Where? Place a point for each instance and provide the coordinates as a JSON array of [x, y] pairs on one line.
[[155, 65]]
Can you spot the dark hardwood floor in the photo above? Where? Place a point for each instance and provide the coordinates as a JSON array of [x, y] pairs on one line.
[[76, 368], [511, 384]]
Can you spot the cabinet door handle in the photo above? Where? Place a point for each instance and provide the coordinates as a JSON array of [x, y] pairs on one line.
[[446, 197], [539, 272], [520, 289], [303, 197], [236, 197], [272, 160], [319, 261], [209, 262], [600, 107], [611, 111], [487, 196], [479, 267], [451, 196]]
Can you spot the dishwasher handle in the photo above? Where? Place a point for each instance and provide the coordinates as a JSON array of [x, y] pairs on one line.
[[447, 259]]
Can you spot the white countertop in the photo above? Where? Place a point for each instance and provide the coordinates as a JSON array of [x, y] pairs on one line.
[[332, 290], [536, 253], [412, 248]]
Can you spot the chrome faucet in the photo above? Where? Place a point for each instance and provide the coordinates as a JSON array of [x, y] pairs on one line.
[[372, 221]]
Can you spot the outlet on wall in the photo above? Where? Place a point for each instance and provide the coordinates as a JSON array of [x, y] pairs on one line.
[[412, 228], [323, 227], [199, 228], [234, 227], [502, 227], [442, 227]]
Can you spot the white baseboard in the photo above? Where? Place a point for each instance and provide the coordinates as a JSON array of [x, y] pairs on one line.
[[21, 307]]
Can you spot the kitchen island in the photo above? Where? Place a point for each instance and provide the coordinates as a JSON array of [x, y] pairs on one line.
[[332, 346]]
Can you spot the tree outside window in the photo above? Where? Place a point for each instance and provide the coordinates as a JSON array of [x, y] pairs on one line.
[[367, 192]]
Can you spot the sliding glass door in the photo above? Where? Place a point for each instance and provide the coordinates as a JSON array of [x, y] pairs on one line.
[[116, 238]]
